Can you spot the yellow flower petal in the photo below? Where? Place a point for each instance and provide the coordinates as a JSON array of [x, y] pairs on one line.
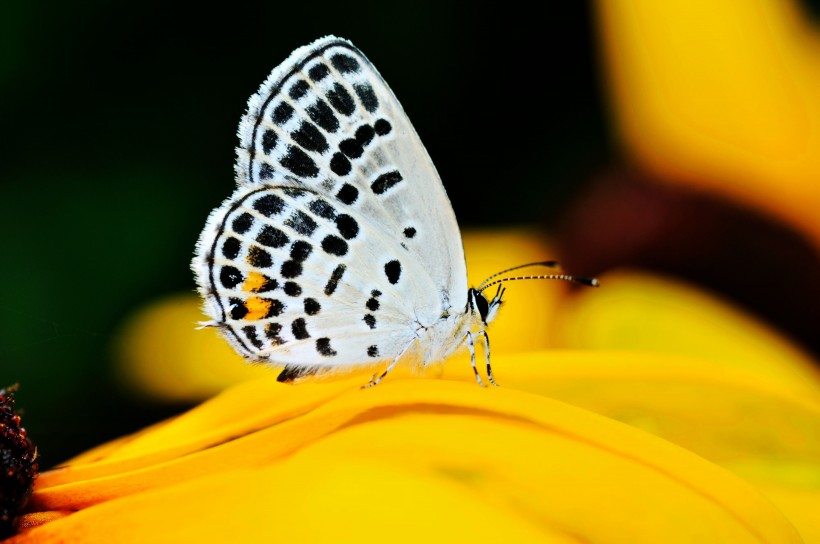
[[637, 311], [721, 96], [538, 463]]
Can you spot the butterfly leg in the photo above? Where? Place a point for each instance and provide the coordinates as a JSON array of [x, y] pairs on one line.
[[487, 355], [374, 380], [471, 346]]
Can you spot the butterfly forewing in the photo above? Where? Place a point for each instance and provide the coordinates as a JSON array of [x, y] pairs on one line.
[[340, 239]]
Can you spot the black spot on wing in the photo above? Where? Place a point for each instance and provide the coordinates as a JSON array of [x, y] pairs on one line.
[[301, 223], [259, 258], [269, 140], [373, 351], [334, 245], [409, 232], [310, 137], [323, 347], [282, 113], [238, 309], [335, 277], [299, 89], [312, 306], [351, 148], [344, 63], [299, 329], [272, 237], [243, 223], [230, 277], [269, 205], [266, 171], [291, 269], [322, 208], [348, 194], [298, 162], [231, 247], [292, 289], [347, 226], [365, 134], [367, 97], [393, 271], [319, 72], [272, 331], [340, 164], [341, 100], [370, 320], [252, 336], [382, 127], [386, 181], [321, 114], [300, 250]]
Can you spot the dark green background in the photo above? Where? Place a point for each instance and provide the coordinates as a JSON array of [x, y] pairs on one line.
[[118, 135]]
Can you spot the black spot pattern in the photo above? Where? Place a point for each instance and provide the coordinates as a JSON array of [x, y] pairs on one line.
[[291, 269], [293, 192], [393, 271], [340, 164], [344, 63], [365, 134], [299, 89], [259, 258], [266, 171], [309, 137], [347, 226], [409, 232], [348, 194], [335, 277], [322, 208], [372, 304], [269, 205], [251, 334], [321, 114], [351, 148], [238, 309], [386, 181], [312, 306], [370, 320], [292, 289], [276, 307], [318, 72], [375, 293], [272, 331], [373, 351], [382, 127], [334, 245], [230, 277], [231, 247], [243, 223], [300, 250], [272, 237], [298, 162], [282, 113], [323, 347], [301, 223], [368, 98], [269, 140], [341, 100], [299, 329]]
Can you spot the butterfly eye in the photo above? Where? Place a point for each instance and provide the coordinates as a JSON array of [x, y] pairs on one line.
[[482, 305]]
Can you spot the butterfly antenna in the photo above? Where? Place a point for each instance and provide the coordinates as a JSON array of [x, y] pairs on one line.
[[548, 264], [590, 282]]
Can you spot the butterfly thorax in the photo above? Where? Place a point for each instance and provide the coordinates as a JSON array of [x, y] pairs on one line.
[[446, 336]]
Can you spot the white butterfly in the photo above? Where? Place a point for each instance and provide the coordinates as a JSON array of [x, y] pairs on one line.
[[339, 247]]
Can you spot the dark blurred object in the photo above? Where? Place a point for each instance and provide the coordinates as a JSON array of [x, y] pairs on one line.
[[18, 463], [628, 220]]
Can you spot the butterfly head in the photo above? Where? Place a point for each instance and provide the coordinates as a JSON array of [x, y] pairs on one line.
[[478, 303]]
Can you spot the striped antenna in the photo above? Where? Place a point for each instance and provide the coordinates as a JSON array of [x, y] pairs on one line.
[[548, 264], [590, 282]]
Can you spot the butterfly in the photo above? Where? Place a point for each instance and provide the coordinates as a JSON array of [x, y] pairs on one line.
[[339, 247]]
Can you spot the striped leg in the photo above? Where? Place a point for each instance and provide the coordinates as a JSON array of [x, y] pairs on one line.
[[487, 354], [471, 346], [374, 380]]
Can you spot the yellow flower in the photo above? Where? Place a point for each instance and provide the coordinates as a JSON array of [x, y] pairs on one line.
[[445, 460], [720, 96]]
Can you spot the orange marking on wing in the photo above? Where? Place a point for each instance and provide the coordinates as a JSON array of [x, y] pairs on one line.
[[254, 282], [257, 308]]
